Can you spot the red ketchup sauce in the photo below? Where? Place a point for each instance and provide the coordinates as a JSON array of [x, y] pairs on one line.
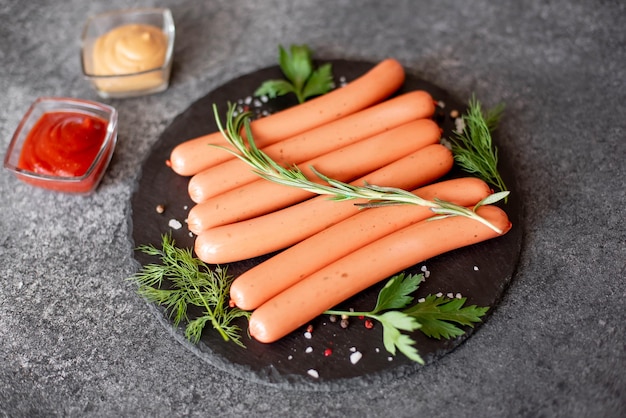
[[63, 144]]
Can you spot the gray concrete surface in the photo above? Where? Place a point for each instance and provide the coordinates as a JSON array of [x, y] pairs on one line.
[[75, 340]]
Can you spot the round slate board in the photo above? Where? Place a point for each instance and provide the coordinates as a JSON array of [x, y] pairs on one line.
[[480, 272]]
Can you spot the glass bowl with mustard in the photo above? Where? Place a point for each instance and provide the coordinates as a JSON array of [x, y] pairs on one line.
[[128, 53], [63, 144]]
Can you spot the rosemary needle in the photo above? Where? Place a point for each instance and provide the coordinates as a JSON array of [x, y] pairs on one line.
[[268, 169]]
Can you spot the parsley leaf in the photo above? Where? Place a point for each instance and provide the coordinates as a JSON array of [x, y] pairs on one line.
[[393, 322], [319, 82], [301, 78], [395, 294], [437, 316], [297, 67], [275, 88]]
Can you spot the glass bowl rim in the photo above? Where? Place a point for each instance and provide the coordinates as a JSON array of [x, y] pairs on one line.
[[86, 106], [168, 22]]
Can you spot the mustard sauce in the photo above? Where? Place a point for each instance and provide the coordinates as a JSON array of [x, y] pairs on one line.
[[130, 49]]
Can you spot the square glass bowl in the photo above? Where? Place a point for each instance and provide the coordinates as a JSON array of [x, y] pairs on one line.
[[63, 144], [128, 53]]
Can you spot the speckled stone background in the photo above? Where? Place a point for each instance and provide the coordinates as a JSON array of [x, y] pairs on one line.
[[75, 340]]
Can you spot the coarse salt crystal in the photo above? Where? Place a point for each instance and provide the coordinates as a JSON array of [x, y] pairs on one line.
[[174, 224], [459, 296], [307, 335], [450, 295], [459, 124], [313, 373], [421, 300], [289, 357], [352, 349], [355, 357], [423, 268], [475, 268], [446, 143], [308, 350], [439, 294]]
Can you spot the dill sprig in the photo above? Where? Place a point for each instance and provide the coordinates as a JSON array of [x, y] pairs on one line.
[[267, 168], [473, 147], [190, 282]]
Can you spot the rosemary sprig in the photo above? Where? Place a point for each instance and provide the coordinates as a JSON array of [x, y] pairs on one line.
[[265, 167], [473, 148], [193, 283]]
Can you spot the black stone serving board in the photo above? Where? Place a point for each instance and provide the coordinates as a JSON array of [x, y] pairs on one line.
[[481, 272]]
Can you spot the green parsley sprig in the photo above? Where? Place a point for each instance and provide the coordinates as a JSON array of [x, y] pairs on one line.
[[301, 78], [190, 283], [437, 316], [473, 147], [247, 151]]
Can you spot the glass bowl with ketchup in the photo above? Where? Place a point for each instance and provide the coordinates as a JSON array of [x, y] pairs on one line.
[[128, 53], [63, 144]]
